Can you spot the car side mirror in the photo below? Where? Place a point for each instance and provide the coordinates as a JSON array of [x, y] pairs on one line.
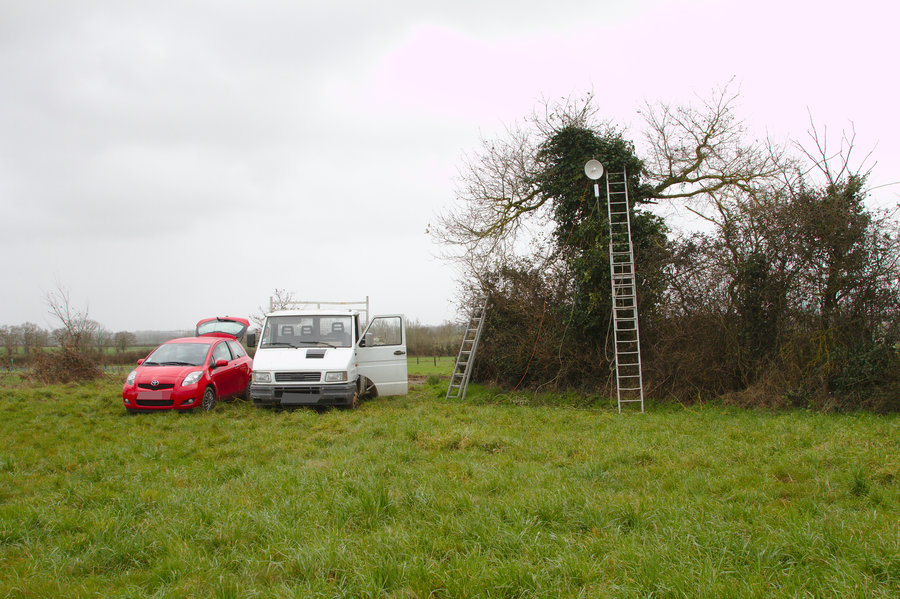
[[141, 361], [220, 363]]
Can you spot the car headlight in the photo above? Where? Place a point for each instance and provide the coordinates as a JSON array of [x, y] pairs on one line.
[[334, 377], [262, 377], [129, 380], [192, 378]]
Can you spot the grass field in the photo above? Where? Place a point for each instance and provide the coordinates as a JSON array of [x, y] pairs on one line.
[[421, 497], [431, 365]]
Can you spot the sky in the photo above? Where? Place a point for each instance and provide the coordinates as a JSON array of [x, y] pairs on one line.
[[167, 161]]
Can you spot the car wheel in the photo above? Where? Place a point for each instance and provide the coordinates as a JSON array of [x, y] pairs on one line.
[[209, 399]]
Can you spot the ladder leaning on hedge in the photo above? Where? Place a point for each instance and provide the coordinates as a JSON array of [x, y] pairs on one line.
[[459, 380], [629, 379]]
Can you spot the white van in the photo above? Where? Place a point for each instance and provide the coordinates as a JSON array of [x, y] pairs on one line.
[[321, 358]]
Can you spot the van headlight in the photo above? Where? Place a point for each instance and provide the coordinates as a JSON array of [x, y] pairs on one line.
[[335, 377], [192, 378], [261, 377]]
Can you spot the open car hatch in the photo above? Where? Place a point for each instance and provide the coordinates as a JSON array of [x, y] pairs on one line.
[[224, 326]]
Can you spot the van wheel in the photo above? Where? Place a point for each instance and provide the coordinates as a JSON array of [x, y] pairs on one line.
[[209, 399], [368, 390], [354, 403]]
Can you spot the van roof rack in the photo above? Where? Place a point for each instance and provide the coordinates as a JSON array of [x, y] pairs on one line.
[[362, 306]]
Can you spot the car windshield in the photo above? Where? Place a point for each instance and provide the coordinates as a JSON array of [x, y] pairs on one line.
[[178, 354], [306, 331]]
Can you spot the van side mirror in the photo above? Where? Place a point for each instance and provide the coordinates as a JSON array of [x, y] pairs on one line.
[[251, 340]]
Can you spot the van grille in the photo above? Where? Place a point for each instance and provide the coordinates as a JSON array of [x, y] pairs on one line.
[[297, 377]]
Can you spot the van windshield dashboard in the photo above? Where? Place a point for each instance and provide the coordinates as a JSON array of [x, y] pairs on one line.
[[307, 331]]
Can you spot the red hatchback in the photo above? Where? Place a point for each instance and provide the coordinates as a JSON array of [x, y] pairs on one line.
[[191, 372]]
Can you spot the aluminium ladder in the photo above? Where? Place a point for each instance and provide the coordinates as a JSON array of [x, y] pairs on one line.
[[462, 371], [629, 379]]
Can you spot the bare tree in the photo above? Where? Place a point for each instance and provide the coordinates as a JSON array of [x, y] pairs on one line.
[[697, 152], [11, 337], [103, 338], [699, 155], [279, 300], [499, 198], [123, 339], [77, 328], [33, 336], [849, 257]]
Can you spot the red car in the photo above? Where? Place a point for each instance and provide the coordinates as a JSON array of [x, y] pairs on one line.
[[192, 372]]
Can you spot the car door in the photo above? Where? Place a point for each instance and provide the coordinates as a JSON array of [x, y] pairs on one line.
[[224, 377], [241, 365], [381, 354]]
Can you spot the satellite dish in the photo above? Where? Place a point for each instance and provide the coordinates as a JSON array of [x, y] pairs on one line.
[[593, 169]]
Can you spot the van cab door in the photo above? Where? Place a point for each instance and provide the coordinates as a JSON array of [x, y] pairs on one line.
[[381, 354]]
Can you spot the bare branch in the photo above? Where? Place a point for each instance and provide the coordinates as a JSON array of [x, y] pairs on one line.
[[839, 164], [699, 152]]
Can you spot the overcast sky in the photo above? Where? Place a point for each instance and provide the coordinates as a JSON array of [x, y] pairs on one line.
[[169, 161]]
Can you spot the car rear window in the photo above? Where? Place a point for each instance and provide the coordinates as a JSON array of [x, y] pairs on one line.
[[229, 327]]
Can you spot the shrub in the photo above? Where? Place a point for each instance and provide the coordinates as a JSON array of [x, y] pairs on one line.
[[67, 365]]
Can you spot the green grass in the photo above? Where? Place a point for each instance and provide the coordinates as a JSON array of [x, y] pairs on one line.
[[430, 365], [422, 497]]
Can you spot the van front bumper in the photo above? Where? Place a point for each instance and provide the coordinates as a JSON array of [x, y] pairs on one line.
[[338, 394]]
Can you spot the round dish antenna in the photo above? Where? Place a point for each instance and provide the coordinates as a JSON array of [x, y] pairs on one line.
[[593, 169]]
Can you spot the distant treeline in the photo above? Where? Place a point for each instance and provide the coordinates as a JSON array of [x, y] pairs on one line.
[[433, 340], [19, 342]]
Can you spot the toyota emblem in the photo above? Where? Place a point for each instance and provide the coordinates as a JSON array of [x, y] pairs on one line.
[[154, 383]]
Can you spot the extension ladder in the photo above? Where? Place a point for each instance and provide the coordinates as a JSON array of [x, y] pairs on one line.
[[462, 371], [629, 380]]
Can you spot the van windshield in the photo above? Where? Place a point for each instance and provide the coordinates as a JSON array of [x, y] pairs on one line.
[[307, 331]]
